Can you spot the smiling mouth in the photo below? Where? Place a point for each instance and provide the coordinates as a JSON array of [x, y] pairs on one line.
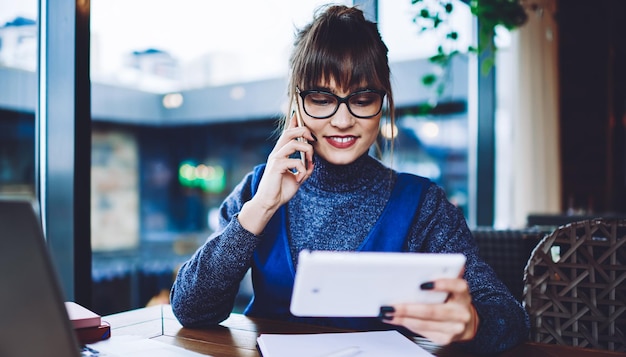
[[341, 141]]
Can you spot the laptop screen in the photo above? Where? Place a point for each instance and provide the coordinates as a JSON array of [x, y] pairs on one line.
[[33, 319]]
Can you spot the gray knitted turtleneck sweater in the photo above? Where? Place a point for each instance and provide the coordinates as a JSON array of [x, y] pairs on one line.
[[334, 210]]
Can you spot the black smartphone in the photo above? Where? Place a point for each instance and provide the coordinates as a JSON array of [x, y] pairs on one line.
[[296, 110]]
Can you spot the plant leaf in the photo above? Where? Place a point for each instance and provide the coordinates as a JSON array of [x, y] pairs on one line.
[[429, 79]]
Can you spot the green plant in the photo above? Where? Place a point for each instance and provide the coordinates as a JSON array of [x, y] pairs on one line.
[[434, 15]]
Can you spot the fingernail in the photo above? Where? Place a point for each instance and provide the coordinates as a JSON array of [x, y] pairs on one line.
[[314, 137], [386, 312], [427, 286]]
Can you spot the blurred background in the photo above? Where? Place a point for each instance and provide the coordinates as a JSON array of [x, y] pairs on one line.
[[183, 99]]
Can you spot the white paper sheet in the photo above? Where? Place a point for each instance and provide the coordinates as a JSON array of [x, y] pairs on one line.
[[136, 346], [357, 344]]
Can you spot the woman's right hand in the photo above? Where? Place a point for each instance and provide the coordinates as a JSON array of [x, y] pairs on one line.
[[281, 179]]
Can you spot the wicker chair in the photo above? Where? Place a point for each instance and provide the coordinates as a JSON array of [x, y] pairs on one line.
[[575, 286]]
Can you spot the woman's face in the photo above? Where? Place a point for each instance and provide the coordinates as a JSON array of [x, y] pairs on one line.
[[342, 138]]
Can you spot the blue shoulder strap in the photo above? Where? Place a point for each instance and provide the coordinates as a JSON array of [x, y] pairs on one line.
[[272, 269], [390, 232]]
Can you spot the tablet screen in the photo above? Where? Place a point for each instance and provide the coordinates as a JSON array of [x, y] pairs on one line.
[[357, 284]]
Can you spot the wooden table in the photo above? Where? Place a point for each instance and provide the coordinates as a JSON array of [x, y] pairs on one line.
[[236, 337]]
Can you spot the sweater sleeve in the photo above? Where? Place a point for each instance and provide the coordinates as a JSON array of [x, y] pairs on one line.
[[441, 227], [206, 285]]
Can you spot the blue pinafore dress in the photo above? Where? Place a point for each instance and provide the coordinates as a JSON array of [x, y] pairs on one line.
[[273, 271]]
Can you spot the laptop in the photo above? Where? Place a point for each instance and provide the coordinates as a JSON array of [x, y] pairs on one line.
[[33, 317]]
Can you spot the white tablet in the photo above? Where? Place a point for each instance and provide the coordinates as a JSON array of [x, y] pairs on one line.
[[357, 284]]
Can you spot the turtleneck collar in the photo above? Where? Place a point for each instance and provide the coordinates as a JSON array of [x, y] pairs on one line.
[[363, 172]]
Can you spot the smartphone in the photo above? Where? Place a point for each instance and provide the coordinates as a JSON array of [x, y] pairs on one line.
[[296, 109]]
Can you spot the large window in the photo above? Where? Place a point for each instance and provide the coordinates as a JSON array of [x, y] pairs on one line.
[[435, 143], [18, 97], [184, 101]]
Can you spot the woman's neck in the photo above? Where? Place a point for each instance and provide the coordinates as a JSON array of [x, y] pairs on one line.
[[340, 178]]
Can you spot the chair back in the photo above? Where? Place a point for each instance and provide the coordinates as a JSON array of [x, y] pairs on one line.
[[507, 251], [575, 285]]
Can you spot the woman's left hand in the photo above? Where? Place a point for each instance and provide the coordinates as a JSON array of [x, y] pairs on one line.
[[454, 320]]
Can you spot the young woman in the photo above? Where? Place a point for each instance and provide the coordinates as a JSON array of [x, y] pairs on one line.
[[341, 198]]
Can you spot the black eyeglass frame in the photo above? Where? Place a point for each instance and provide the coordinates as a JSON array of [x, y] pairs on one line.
[[340, 100]]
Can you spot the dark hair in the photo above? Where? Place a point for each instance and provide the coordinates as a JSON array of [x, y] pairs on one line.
[[340, 44]]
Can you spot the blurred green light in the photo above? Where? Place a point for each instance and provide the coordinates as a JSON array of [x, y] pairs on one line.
[[209, 178]]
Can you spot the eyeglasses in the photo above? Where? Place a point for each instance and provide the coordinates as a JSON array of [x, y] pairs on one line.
[[363, 104]]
